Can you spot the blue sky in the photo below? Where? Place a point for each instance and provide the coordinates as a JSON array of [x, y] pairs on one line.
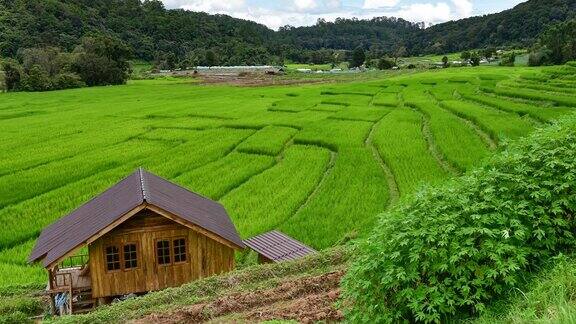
[[276, 13]]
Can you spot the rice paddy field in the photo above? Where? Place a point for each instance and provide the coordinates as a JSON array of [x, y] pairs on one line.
[[318, 162]]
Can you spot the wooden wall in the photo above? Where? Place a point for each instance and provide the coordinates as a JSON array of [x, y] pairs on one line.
[[205, 257]]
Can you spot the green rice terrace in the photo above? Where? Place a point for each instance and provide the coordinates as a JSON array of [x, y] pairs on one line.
[[319, 162]]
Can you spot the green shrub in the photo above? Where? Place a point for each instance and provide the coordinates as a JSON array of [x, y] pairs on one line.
[[36, 80], [539, 57], [12, 75], [16, 317], [508, 59], [23, 304], [450, 250], [67, 81]]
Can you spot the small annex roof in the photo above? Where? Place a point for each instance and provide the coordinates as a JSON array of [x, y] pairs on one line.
[[277, 246], [134, 193]]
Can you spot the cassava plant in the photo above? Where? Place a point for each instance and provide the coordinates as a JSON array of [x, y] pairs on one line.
[[447, 252]]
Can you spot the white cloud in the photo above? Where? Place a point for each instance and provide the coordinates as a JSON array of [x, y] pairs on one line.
[[377, 4], [304, 5], [307, 12], [211, 6], [464, 8], [427, 12]]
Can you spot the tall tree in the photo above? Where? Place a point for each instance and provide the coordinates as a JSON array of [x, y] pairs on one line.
[[358, 58], [102, 60]]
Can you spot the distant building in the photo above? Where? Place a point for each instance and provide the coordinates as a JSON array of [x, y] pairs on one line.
[[236, 70]]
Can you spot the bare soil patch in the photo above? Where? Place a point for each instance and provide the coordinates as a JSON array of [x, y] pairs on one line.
[[253, 80], [306, 300]]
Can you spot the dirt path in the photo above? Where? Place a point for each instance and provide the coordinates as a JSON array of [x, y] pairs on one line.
[[306, 300]]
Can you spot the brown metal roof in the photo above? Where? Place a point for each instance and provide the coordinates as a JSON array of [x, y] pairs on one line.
[[278, 246], [140, 188]]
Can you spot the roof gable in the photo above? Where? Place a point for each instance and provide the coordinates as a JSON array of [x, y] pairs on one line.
[[120, 202]]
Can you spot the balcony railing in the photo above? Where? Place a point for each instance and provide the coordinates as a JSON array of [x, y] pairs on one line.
[[75, 261]]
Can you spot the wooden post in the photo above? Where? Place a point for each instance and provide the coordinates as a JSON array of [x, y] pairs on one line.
[[51, 295]]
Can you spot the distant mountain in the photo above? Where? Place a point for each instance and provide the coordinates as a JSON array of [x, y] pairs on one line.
[[146, 26], [382, 33], [514, 27], [155, 33]]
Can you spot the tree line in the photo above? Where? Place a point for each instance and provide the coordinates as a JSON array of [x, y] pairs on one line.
[[178, 38], [98, 60], [557, 45]]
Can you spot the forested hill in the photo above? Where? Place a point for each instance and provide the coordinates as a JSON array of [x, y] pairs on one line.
[[186, 38], [381, 33], [514, 27], [146, 26]]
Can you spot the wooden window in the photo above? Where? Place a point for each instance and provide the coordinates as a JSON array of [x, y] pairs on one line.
[[163, 252], [112, 258], [130, 256], [179, 250]]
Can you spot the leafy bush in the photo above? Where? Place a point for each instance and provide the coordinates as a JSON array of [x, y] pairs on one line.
[[508, 59], [385, 64], [16, 317], [450, 250], [36, 80], [12, 74], [67, 81], [539, 57]]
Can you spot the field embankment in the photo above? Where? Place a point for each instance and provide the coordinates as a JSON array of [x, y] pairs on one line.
[[305, 290]]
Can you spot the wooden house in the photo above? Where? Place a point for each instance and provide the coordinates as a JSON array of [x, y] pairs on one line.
[[143, 234]]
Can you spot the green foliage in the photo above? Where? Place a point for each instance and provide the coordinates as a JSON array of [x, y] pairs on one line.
[[547, 298], [539, 57], [475, 59], [98, 60], [102, 60], [67, 81], [358, 58], [12, 75], [385, 64], [445, 61], [450, 250], [36, 80], [18, 308], [508, 59], [560, 41]]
